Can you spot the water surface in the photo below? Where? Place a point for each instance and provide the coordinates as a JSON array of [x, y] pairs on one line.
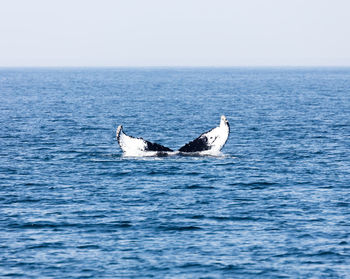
[[276, 205]]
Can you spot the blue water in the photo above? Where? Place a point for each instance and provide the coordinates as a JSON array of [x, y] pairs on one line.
[[275, 205]]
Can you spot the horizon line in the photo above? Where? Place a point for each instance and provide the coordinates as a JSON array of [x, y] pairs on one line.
[[176, 66]]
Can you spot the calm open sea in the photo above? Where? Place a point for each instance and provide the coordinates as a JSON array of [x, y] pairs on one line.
[[275, 205]]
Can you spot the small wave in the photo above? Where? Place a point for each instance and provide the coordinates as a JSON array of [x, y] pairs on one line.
[[93, 128], [116, 174], [255, 185], [191, 265], [29, 184], [231, 267], [179, 228], [235, 218], [7, 170], [52, 225], [161, 172], [29, 200], [196, 217], [305, 236], [325, 253], [196, 186], [88, 246], [342, 204], [45, 245], [192, 173]]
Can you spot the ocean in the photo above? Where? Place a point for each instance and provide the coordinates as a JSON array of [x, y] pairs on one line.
[[275, 204]]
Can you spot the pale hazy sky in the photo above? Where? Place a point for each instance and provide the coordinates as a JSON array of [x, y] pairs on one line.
[[174, 33]]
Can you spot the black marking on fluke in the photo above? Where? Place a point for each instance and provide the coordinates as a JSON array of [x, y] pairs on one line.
[[156, 147], [199, 144]]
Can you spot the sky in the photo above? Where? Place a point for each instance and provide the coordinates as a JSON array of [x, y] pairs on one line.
[[134, 33]]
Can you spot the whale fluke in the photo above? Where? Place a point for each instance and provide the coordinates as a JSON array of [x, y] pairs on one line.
[[211, 141], [135, 146], [208, 143]]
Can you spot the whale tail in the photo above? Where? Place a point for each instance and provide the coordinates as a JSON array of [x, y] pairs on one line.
[[210, 142]]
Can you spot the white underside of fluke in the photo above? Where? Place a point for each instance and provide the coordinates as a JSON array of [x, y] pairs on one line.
[[131, 146]]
